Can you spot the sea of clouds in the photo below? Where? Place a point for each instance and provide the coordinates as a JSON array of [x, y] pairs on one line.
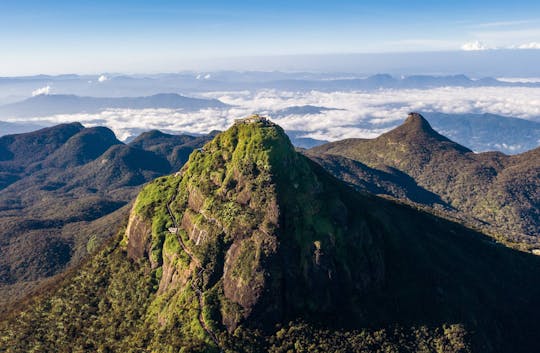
[[354, 114]]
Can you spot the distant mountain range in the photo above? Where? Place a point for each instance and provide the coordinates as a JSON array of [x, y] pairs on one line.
[[488, 132], [51, 104], [145, 85], [301, 110], [7, 128]]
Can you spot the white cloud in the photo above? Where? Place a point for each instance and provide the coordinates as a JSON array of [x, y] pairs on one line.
[[531, 45], [480, 46], [520, 79], [102, 78], [474, 46], [506, 35], [512, 148], [362, 114], [42, 90]]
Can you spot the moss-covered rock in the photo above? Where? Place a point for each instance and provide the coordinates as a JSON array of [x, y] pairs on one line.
[[252, 209]]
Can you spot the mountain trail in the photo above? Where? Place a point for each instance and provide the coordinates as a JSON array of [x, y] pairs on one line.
[[199, 273]]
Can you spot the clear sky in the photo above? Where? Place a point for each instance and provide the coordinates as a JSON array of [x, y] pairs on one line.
[[78, 36]]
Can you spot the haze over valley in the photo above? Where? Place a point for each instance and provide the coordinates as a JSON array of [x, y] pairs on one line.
[[313, 107]]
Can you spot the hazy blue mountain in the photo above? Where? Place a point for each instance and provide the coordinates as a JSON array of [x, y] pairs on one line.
[[146, 85], [298, 139], [301, 110], [44, 105], [488, 132], [8, 128]]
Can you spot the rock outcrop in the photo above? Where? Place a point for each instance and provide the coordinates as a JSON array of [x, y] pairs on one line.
[[268, 230]]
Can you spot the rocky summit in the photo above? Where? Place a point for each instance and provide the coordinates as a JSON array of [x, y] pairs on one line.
[[253, 247], [259, 231]]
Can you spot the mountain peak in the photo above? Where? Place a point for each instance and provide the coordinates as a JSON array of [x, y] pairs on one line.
[[417, 119], [416, 131], [254, 140], [254, 119], [33, 146], [239, 208], [83, 147], [416, 122]]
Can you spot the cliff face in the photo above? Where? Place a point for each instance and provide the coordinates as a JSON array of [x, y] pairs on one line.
[[261, 229]]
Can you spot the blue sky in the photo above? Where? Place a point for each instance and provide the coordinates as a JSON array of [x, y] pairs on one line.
[[158, 36]]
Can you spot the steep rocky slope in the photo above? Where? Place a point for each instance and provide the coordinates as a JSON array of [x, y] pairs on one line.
[[246, 203], [252, 247], [500, 192]]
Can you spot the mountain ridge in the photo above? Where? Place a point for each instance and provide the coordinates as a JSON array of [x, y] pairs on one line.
[[64, 190], [478, 185], [51, 104], [488, 132], [252, 247]]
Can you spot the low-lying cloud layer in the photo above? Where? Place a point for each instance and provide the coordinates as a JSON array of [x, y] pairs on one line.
[[356, 114], [478, 46]]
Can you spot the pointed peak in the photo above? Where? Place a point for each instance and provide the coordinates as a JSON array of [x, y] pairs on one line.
[[415, 125], [417, 120], [417, 130]]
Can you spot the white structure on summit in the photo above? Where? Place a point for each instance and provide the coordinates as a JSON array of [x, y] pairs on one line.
[[255, 118]]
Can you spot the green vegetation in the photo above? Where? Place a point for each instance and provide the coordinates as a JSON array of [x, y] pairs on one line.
[[495, 193], [65, 190], [96, 308], [275, 255]]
